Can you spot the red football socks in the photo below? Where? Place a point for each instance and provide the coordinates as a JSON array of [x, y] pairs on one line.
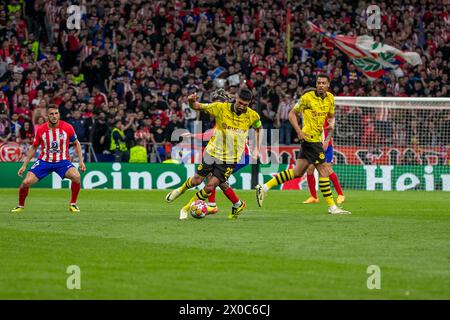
[[212, 197], [337, 186], [75, 190], [231, 195], [312, 185], [23, 193]]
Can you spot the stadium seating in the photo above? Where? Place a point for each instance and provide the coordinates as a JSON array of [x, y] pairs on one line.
[[137, 60]]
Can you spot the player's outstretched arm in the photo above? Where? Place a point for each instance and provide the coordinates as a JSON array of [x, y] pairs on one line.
[[31, 153], [77, 146]]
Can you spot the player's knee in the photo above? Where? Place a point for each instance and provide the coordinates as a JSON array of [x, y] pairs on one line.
[[310, 170], [196, 180], [209, 187], [224, 186], [76, 179], [324, 172], [27, 183]]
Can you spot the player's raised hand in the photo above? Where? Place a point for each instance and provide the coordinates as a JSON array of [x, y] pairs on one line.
[[192, 98], [21, 170], [82, 167]]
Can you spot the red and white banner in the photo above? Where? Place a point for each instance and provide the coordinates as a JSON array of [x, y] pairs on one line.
[[371, 57]]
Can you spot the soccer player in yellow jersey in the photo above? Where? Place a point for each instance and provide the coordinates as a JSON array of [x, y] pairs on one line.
[[224, 149], [315, 106]]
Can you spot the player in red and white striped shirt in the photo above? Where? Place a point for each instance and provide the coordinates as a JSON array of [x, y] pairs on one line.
[[54, 138]]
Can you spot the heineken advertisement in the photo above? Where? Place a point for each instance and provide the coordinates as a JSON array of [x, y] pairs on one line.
[[166, 176]]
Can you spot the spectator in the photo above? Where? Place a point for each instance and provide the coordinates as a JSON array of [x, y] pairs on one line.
[[65, 109], [268, 119], [4, 104], [118, 145], [148, 56], [23, 112], [26, 133], [138, 153], [282, 120], [190, 115], [142, 133], [80, 126], [5, 130], [15, 126], [173, 125], [101, 140], [159, 138], [370, 138]]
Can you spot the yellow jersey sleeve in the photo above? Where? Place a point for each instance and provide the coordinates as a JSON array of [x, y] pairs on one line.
[[300, 105], [213, 109], [256, 121]]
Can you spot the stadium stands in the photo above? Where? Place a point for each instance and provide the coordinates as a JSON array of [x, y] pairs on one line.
[[136, 61]]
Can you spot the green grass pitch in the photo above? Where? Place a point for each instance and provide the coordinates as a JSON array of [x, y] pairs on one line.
[[130, 245]]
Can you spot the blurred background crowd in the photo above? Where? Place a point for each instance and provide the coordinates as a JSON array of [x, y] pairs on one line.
[[122, 79]]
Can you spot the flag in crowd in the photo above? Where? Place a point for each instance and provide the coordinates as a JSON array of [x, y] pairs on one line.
[[374, 59]]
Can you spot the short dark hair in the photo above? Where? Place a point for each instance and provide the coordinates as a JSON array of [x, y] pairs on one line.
[[309, 89], [245, 94], [52, 106], [323, 75]]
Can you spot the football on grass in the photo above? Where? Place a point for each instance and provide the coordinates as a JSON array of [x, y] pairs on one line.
[[198, 209]]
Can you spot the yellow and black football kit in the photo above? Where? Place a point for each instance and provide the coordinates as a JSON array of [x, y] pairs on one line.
[[314, 110], [227, 144]]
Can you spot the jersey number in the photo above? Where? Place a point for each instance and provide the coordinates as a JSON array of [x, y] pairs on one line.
[[35, 164], [228, 172]]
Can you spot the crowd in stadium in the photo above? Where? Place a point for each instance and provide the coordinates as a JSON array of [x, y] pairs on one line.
[[131, 64]]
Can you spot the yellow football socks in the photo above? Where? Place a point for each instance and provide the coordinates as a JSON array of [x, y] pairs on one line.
[[201, 195], [280, 178], [186, 185], [325, 188]]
